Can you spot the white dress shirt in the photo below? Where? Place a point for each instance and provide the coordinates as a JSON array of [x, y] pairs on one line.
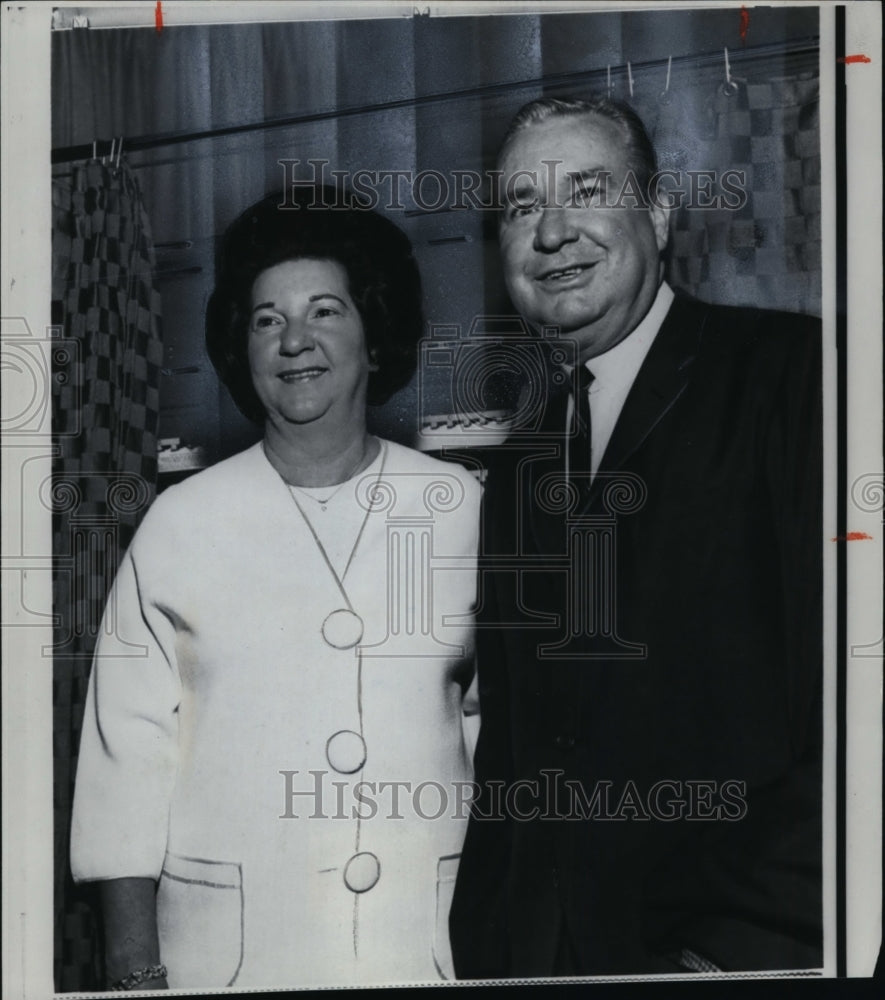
[[615, 371]]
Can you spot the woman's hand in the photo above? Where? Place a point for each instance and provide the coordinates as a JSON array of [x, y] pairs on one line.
[[129, 906]]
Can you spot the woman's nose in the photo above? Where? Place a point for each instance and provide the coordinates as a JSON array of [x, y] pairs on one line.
[[296, 337], [556, 226]]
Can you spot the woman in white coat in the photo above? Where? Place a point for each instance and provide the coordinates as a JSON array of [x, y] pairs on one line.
[[274, 773]]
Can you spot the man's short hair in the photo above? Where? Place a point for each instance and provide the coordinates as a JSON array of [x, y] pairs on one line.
[[641, 158]]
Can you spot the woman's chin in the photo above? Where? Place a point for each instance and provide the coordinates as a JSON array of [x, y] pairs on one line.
[[299, 414]]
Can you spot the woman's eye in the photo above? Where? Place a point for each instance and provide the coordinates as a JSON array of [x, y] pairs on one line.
[[265, 321], [325, 311], [520, 210]]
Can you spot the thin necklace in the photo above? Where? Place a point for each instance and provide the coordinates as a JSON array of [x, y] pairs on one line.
[[322, 501], [342, 628]]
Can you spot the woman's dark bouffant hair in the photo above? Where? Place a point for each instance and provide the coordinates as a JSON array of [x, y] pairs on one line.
[[319, 223]]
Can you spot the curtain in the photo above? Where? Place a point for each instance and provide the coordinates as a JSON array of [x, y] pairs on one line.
[[105, 408], [765, 131], [768, 251]]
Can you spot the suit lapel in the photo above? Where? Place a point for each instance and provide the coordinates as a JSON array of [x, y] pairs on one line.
[[546, 525], [661, 381]]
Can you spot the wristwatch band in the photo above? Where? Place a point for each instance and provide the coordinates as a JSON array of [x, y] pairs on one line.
[[139, 976]]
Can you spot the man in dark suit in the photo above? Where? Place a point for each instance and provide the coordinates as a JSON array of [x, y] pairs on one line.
[[650, 629]]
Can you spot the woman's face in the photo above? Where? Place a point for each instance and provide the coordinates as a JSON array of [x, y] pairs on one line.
[[307, 346]]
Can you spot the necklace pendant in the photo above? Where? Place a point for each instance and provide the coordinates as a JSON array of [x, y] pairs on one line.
[[343, 629]]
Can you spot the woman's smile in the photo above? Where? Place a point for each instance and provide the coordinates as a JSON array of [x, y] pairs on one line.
[[302, 374]]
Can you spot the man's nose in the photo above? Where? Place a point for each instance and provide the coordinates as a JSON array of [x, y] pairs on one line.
[[297, 336], [556, 226]]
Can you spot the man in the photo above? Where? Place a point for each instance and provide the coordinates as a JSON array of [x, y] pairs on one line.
[[650, 624]]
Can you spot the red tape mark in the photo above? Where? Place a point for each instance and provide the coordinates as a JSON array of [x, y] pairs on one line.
[[853, 536], [745, 22], [854, 59], [158, 17]]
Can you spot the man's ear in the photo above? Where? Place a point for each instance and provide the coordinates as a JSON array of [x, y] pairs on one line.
[[660, 220]]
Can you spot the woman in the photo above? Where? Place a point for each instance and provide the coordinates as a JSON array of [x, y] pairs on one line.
[[276, 705]]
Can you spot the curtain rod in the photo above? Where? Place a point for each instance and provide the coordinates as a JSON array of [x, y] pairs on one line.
[[805, 47]]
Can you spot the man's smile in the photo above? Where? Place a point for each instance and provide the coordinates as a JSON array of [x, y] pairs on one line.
[[560, 276]]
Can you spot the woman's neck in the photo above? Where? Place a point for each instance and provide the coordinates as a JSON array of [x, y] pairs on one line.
[[314, 459]]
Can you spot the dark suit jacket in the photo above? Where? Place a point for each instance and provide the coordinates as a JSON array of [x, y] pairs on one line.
[[715, 569]]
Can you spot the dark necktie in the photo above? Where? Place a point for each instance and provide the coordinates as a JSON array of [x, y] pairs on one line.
[[580, 443]]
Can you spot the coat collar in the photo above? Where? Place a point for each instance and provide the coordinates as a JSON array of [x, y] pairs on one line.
[[661, 380]]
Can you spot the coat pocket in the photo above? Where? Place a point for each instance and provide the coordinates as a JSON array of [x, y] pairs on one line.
[[200, 920], [446, 873]]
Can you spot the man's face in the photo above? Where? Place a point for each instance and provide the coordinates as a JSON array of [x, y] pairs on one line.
[[571, 260]]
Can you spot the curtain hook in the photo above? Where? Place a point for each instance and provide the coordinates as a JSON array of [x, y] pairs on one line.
[[95, 149], [629, 78], [113, 148], [730, 86], [119, 151], [665, 93]]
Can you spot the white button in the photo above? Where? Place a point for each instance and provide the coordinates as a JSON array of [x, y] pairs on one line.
[[346, 751], [362, 872], [343, 629]]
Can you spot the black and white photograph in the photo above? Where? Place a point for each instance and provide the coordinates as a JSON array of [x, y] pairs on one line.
[[442, 495]]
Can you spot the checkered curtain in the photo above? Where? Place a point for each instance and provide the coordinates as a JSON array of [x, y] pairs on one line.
[[105, 411], [768, 252]]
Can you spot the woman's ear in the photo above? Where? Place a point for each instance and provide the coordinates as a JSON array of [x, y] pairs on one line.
[[373, 360]]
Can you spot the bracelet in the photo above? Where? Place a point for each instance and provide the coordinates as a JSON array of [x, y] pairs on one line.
[[139, 976]]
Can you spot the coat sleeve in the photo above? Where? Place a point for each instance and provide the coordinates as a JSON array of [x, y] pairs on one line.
[[477, 920], [794, 466], [128, 748], [768, 865], [468, 548]]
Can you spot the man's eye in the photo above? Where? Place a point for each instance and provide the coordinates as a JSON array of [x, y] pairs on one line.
[[587, 194]]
